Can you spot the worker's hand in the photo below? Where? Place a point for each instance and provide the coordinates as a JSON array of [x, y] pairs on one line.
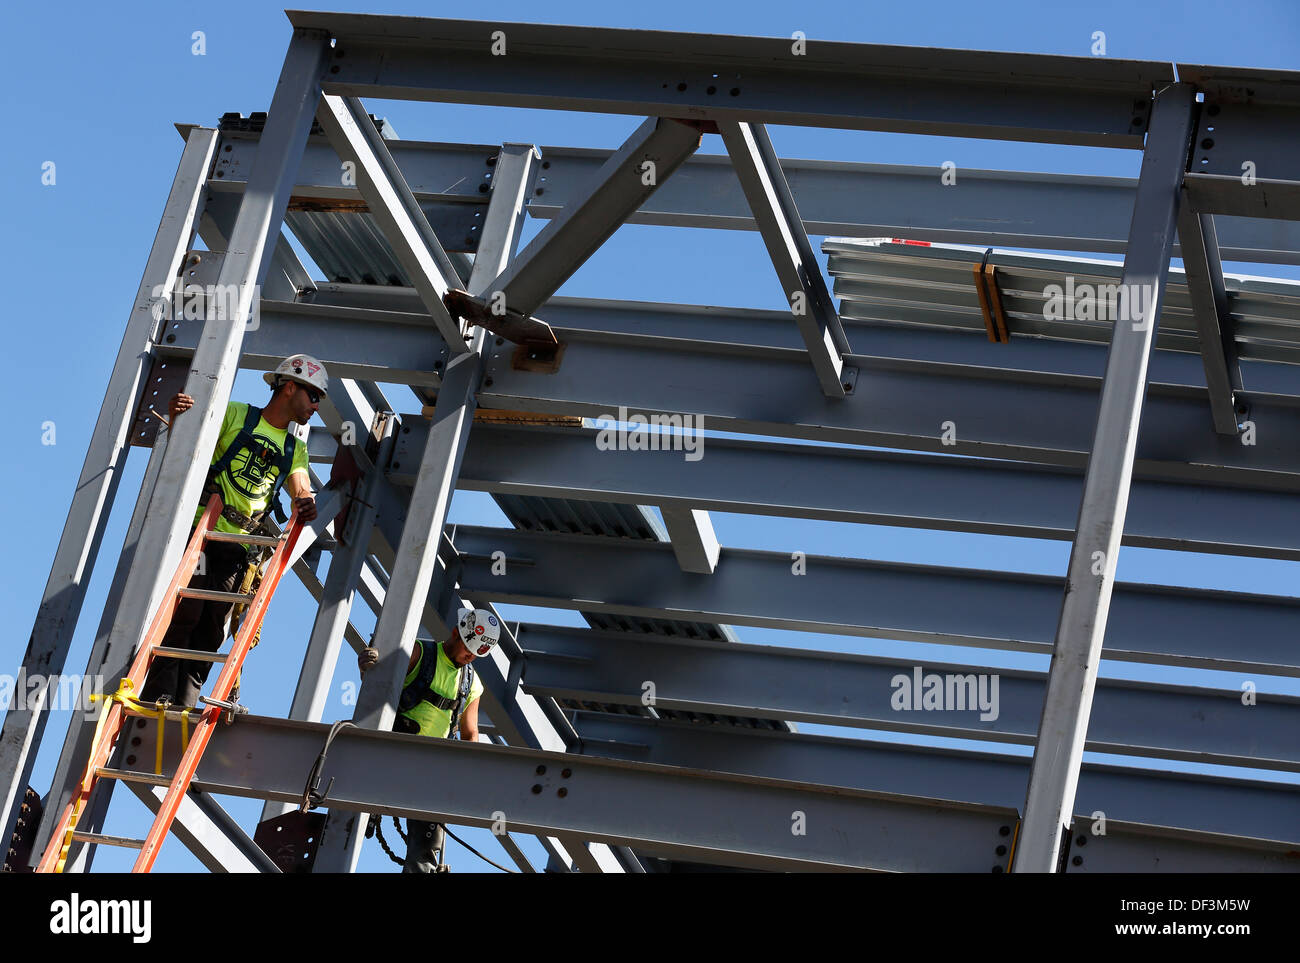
[[367, 658], [180, 402], [306, 507]]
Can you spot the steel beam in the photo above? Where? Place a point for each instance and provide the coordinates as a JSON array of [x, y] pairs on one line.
[[633, 173], [958, 93], [1189, 723], [92, 500], [1184, 800], [759, 170], [1264, 197], [1248, 116], [1161, 625], [915, 381], [694, 543], [880, 488], [1129, 848], [390, 311], [1019, 209], [394, 208], [894, 404], [1094, 556], [1213, 320], [679, 813]]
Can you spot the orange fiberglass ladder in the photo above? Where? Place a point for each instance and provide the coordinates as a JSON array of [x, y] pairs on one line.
[[123, 704]]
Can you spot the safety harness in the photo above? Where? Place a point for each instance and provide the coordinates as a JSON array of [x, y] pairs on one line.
[[421, 689], [282, 461]]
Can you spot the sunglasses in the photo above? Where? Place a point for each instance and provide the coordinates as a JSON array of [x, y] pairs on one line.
[[312, 395]]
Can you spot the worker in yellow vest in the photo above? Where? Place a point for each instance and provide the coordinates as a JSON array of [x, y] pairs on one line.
[[439, 699], [256, 454]]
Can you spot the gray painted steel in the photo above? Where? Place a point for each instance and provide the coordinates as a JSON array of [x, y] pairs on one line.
[[1064, 212], [754, 159], [1127, 848], [96, 489], [632, 173], [396, 210], [915, 363], [1246, 808], [209, 832], [1212, 726], [880, 488], [332, 616], [682, 813], [1065, 100], [1149, 623], [1094, 556], [1213, 323]]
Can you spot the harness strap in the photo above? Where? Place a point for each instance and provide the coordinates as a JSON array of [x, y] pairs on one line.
[[247, 441], [421, 689]]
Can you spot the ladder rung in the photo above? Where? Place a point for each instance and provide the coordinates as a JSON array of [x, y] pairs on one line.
[[126, 842], [241, 538], [195, 654], [212, 595], [103, 772], [172, 715]]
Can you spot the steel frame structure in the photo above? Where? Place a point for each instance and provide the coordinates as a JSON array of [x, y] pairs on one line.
[[1126, 435]]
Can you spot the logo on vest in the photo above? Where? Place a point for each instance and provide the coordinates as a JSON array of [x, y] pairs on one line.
[[254, 472]]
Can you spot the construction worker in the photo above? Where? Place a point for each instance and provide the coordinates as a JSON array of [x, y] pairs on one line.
[[439, 698], [256, 454]]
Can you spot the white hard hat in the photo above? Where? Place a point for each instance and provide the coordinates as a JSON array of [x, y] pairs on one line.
[[302, 368], [480, 630]]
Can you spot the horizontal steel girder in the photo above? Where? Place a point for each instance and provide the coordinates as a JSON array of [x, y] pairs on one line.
[[832, 688], [1056, 212], [1037, 402], [881, 488], [923, 603], [958, 93], [1188, 801], [1263, 198], [1128, 848], [1001, 413], [683, 814]]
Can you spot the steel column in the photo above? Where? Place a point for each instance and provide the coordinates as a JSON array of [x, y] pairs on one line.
[[332, 618], [214, 365], [92, 500], [1090, 577], [411, 576], [104, 661]]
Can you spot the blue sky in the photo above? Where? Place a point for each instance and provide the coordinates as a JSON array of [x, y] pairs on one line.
[[96, 89]]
